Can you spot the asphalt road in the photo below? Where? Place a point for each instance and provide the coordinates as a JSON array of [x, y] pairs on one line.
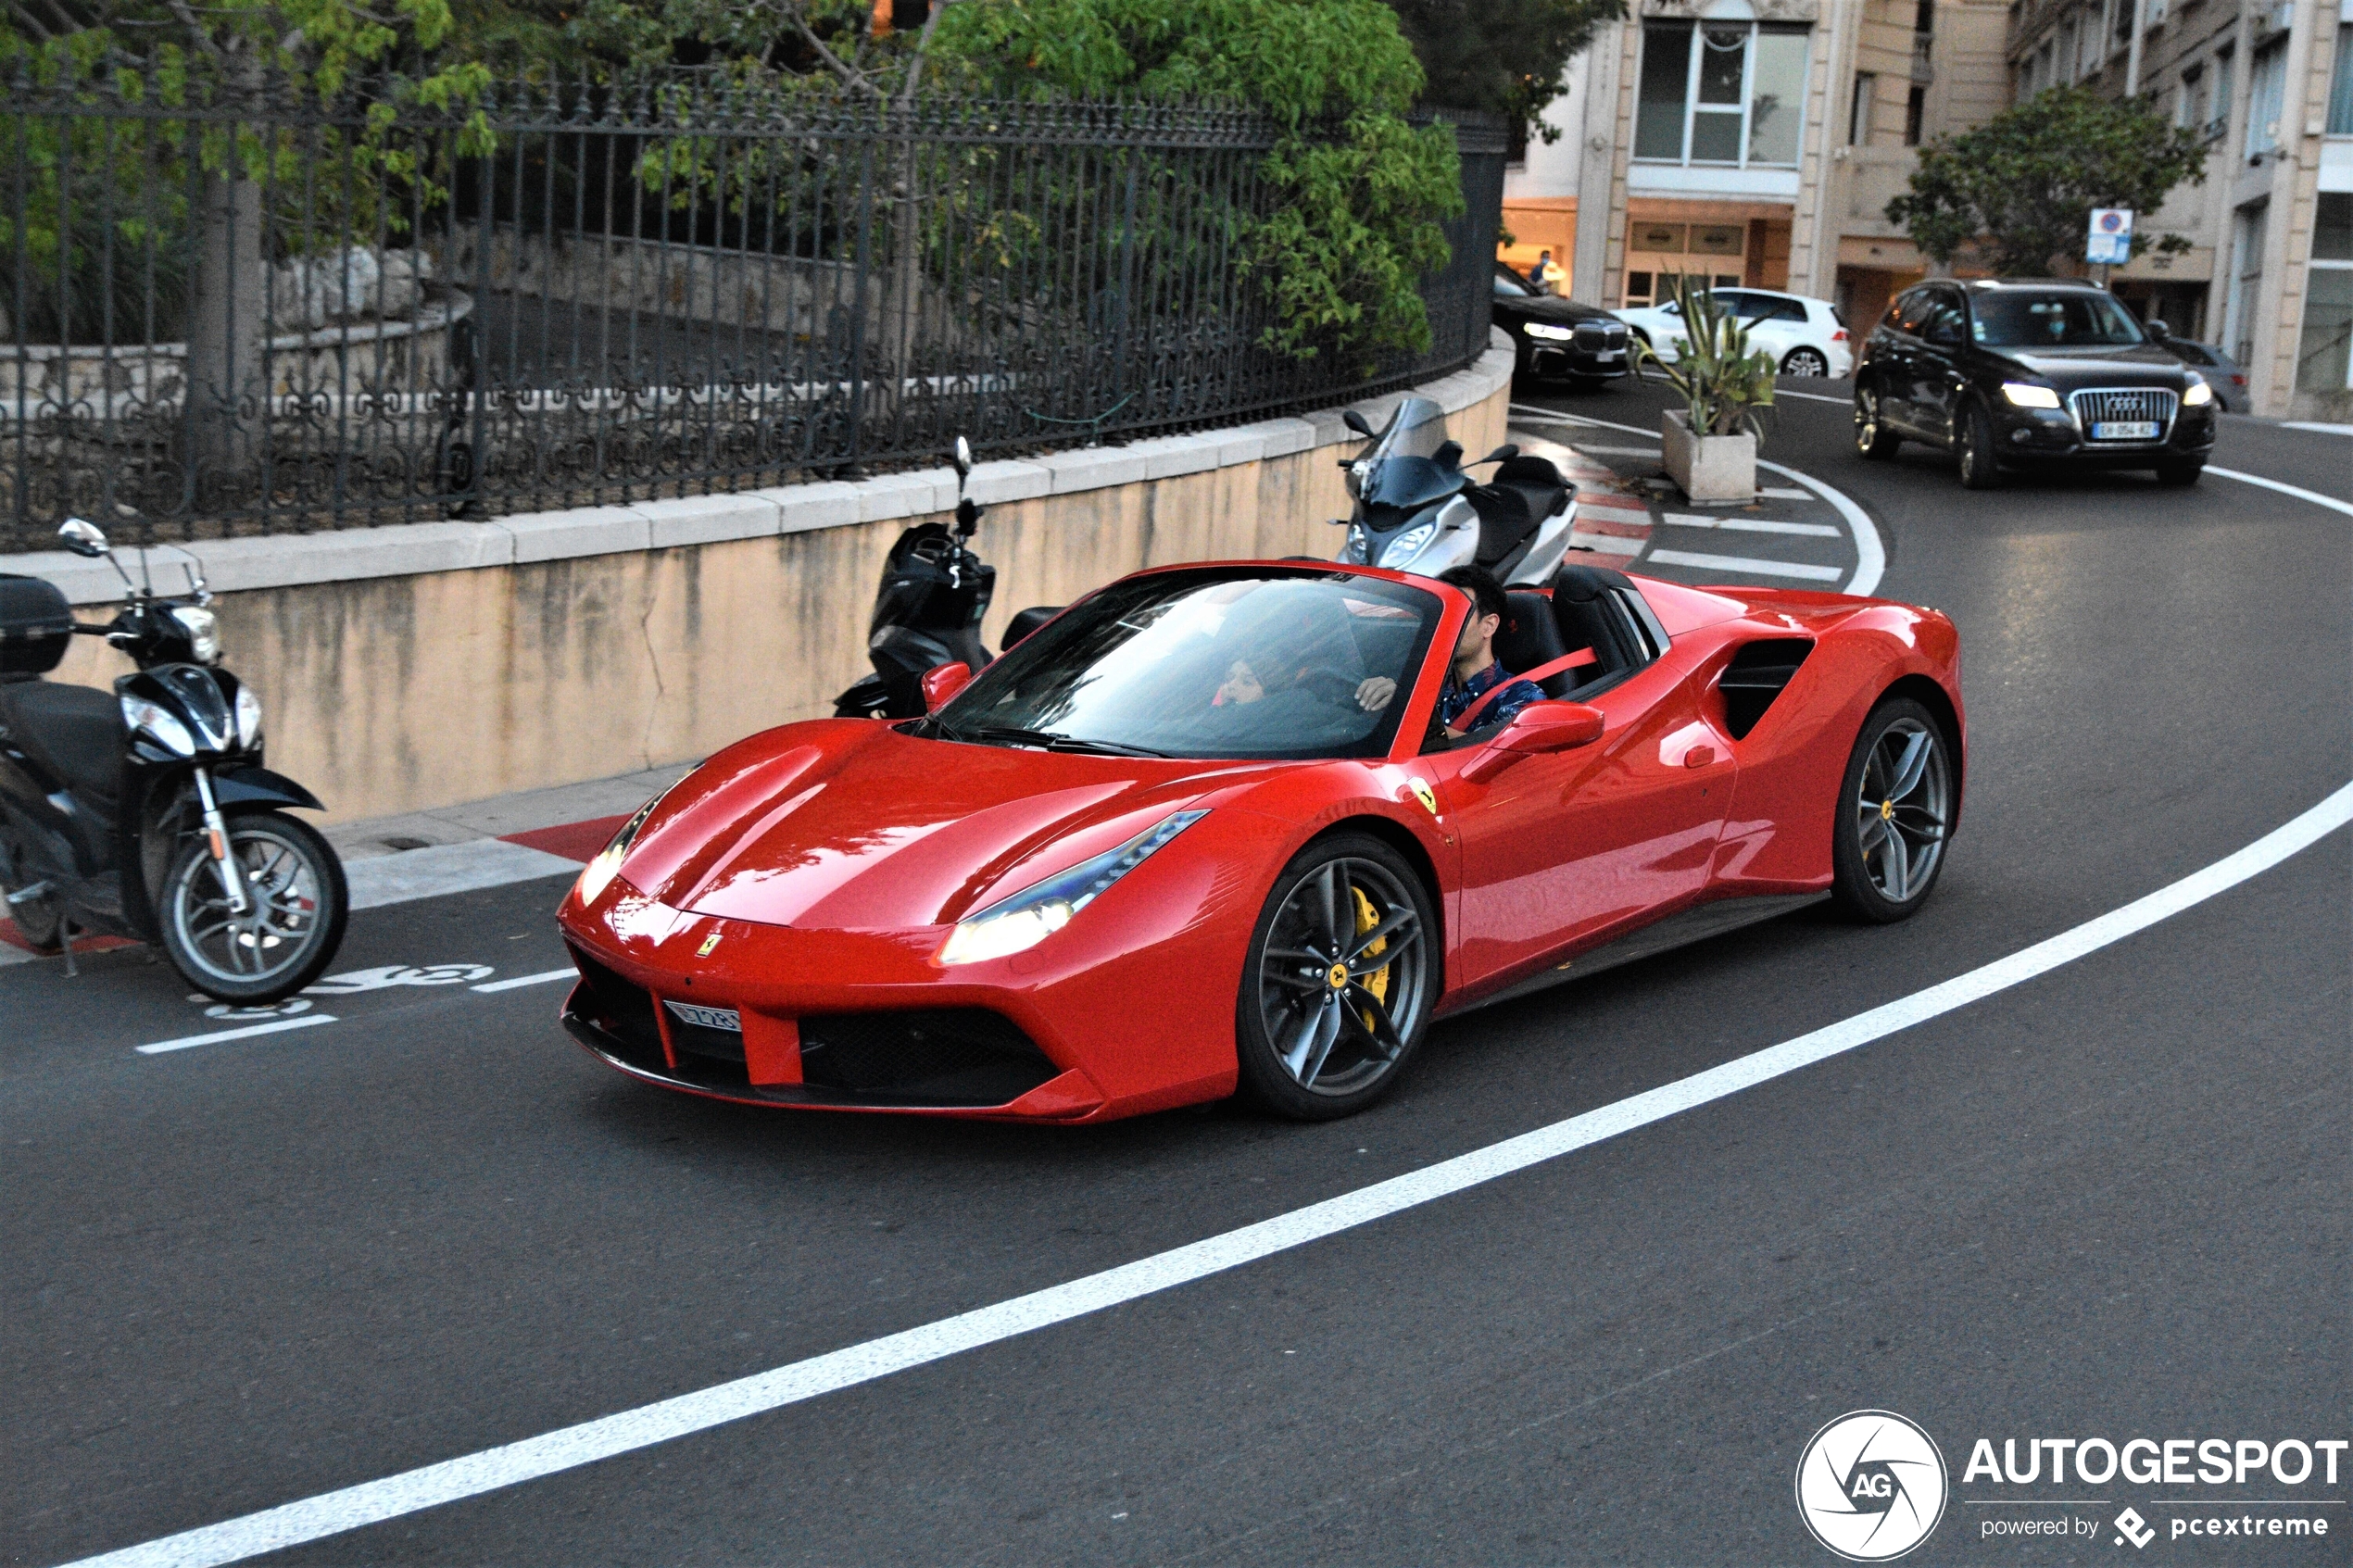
[[2110, 1201]]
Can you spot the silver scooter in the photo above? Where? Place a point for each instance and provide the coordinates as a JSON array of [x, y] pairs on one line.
[[1418, 510]]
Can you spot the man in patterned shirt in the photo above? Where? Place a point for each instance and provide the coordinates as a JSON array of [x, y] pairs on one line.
[[1477, 671]]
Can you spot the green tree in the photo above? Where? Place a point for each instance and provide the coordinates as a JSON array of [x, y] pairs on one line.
[[1505, 57], [2019, 189]]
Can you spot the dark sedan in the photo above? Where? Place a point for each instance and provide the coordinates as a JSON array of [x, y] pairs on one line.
[[2035, 372], [1557, 338]]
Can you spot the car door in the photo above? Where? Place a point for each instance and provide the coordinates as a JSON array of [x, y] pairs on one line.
[[1567, 848], [1895, 356], [1937, 381]]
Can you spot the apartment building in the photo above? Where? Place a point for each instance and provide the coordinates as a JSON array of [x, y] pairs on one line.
[[1752, 141], [2270, 83], [1758, 142]]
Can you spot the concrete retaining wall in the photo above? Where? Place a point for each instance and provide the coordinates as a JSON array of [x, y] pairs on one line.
[[408, 668]]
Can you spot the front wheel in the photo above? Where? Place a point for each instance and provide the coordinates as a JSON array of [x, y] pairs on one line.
[[1980, 469], [1339, 983], [1872, 438], [1805, 362], [295, 905], [1896, 812]]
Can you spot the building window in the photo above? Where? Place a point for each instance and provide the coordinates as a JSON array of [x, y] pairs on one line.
[[2185, 98], [2341, 85], [1915, 115], [2324, 356], [2266, 96], [1720, 92], [2218, 114], [1859, 111]]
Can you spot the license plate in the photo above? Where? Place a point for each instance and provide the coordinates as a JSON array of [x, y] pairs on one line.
[[706, 1018], [1611, 354], [2125, 430]]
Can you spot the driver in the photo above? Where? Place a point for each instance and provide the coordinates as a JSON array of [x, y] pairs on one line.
[[1476, 670]]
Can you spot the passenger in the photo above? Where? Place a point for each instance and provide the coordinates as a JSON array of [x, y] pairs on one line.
[[1477, 670]]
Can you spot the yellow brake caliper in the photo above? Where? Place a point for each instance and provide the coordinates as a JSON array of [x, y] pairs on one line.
[[1366, 919]]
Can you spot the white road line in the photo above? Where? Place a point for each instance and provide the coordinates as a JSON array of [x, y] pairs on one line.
[[2313, 496], [371, 1502], [520, 980], [1621, 451], [1783, 492], [1753, 525], [1814, 396], [2310, 424], [1748, 565], [1870, 554], [272, 1027]]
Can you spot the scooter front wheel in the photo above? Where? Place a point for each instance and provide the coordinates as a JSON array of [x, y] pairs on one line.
[[287, 934]]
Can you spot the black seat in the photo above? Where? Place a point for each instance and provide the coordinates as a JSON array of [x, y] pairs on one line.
[[74, 731], [1530, 635], [1590, 613], [1536, 483], [1504, 522]]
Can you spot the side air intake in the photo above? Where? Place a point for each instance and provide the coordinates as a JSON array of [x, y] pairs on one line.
[[1755, 677]]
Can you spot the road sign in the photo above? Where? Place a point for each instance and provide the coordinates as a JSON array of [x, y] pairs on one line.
[[2110, 239]]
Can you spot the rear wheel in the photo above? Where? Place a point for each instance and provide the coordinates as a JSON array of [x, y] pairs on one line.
[[293, 921], [1338, 984], [1805, 362], [1980, 469], [2177, 476], [1872, 438], [40, 920], [1895, 811]]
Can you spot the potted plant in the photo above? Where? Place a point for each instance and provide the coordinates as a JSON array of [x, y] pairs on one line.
[[1711, 442]]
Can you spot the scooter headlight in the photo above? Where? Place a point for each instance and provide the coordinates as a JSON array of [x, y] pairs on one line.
[[1021, 921], [152, 722], [202, 628], [1353, 551], [248, 717], [1406, 546]]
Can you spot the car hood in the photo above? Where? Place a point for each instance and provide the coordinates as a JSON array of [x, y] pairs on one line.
[[1552, 308], [2140, 364], [849, 825]]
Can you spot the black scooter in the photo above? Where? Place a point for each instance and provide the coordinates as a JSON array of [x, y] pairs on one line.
[[927, 613], [145, 811]]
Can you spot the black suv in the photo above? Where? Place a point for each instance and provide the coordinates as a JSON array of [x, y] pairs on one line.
[[1557, 337], [2020, 373]]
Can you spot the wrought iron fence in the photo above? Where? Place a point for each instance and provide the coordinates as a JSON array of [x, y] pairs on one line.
[[234, 322]]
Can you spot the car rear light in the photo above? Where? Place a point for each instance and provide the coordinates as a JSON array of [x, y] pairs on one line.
[[1839, 336], [2238, 381]]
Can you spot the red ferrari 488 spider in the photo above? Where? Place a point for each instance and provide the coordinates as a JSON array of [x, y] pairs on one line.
[[1202, 834]]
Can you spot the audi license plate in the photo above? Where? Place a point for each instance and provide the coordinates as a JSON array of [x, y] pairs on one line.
[[2125, 430]]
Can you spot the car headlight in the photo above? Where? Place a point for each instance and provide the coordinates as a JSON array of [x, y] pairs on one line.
[[1408, 544], [204, 631], [2199, 393], [1549, 333], [1353, 551], [2026, 394], [599, 874], [1027, 918], [248, 717], [158, 724]]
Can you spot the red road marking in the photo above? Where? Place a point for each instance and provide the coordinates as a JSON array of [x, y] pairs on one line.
[[15, 938]]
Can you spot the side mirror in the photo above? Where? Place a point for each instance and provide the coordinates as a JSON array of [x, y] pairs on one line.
[[1539, 728], [2158, 329], [942, 682], [1502, 454], [1025, 621], [84, 538], [1356, 423]]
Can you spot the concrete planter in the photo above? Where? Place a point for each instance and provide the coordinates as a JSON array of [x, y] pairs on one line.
[[1709, 468]]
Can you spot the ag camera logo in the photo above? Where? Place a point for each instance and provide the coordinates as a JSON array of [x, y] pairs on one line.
[[1872, 1486]]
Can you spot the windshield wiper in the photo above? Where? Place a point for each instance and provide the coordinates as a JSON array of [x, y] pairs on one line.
[[1054, 740]]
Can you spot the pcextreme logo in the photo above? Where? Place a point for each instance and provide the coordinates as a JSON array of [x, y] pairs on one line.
[[1872, 1486]]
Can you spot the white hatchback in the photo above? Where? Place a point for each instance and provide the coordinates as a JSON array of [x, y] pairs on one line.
[[1804, 336]]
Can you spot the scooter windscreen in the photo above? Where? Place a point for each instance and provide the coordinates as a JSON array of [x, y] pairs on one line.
[[1402, 473]]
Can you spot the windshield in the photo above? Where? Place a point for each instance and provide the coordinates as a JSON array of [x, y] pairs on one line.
[[1255, 663], [1402, 469], [1509, 286], [2060, 318]]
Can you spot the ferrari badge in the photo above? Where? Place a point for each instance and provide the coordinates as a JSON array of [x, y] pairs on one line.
[[1423, 793], [708, 944]]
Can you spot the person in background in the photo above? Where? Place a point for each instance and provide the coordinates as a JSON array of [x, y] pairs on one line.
[[1544, 274]]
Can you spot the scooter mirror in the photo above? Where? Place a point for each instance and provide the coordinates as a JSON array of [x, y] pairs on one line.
[[1356, 422], [84, 538], [1502, 454], [964, 459]]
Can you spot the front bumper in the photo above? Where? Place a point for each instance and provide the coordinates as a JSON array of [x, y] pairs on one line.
[[2030, 436]]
